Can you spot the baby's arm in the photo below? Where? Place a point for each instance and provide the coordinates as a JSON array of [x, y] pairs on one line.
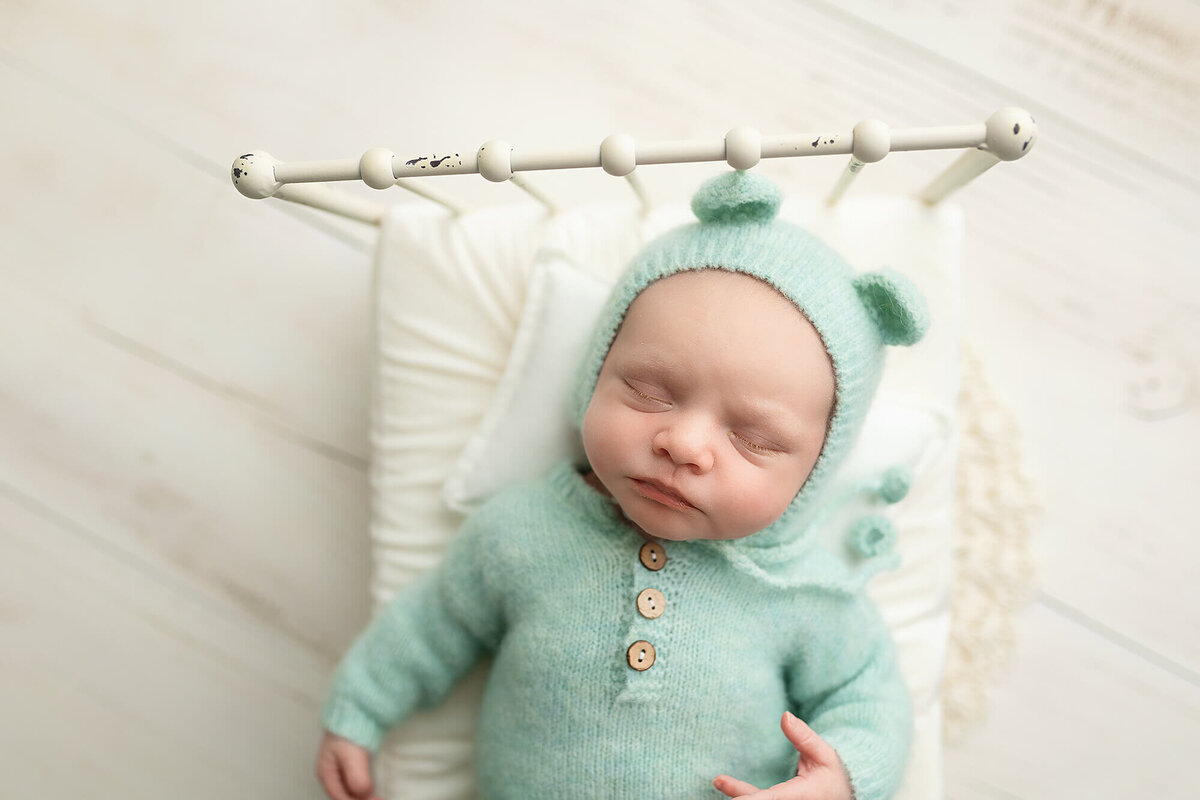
[[855, 698], [419, 647]]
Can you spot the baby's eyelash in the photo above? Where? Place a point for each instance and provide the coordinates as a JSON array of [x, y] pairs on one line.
[[755, 446], [647, 397]]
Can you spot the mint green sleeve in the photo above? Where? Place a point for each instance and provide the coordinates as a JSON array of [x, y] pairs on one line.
[[855, 698], [416, 650]]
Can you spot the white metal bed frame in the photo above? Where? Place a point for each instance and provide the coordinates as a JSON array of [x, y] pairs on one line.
[[1006, 135]]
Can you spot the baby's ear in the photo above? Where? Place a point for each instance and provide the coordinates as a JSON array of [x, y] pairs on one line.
[[895, 305]]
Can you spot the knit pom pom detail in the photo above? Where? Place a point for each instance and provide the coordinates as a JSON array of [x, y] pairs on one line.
[[737, 197], [873, 536], [894, 485]]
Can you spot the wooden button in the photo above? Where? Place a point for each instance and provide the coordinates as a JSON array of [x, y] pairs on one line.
[[640, 655], [652, 556], [651, 603]]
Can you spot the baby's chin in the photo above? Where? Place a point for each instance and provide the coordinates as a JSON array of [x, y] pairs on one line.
[[667, 534], [670, 536], [681, 533]]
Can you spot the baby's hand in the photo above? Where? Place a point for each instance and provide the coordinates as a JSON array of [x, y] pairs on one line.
[[820, 775], [344, 769]]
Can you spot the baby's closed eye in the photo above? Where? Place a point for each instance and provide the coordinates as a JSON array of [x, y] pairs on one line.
[[648, 395], [756, 444]]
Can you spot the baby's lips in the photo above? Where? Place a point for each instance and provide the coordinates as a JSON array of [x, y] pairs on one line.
[[663, 493]]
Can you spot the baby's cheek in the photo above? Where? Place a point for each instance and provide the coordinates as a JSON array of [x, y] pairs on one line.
[[593, 424], [601, 439], [756, 508], [772, 509]]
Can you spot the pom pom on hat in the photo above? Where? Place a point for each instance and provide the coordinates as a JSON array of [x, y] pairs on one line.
[[737, 197]]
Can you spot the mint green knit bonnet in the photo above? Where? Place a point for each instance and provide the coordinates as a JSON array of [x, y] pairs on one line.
[[855, 315]]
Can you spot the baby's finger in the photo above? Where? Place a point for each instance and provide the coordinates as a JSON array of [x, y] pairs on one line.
[[355, 767], [794, 789], [810, 746], [330, 777], [732, 787]]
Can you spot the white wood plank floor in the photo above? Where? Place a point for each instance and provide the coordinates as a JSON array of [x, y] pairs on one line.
[[183, 372]]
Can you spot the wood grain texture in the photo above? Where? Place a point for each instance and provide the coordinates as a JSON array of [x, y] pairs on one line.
[[120, 681], [176, 478], [1080, 718], [183, 379]]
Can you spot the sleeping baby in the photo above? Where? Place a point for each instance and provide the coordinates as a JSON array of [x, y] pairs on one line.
[[662, 621]]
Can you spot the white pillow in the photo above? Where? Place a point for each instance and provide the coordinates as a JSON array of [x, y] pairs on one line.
[[527, 428], [476, 321]]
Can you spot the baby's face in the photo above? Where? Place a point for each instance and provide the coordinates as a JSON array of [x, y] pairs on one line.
[[711, 407]]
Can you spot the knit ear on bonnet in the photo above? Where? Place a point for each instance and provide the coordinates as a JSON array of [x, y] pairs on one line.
[[895, 306]]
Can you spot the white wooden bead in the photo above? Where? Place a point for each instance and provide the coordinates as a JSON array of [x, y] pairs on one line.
[[254, 175], [872, 141], [1010, 133], [618, 154], [495, 160], [375, 168], [743, 147]]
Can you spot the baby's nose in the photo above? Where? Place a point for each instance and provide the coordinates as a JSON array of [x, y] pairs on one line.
[[687, 442]]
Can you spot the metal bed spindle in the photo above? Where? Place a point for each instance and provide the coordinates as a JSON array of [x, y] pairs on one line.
[[1006, 135]]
